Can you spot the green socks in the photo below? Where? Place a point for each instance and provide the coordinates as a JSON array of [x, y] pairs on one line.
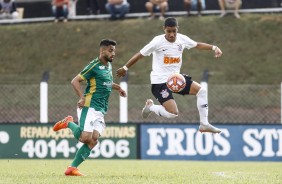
[[75, 129], [81, 155], [84, 151]]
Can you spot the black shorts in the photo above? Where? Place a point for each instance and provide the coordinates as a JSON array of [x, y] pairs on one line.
[[163, 94]]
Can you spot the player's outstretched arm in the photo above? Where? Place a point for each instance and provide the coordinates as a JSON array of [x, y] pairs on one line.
[[205, 46], [121, 72]]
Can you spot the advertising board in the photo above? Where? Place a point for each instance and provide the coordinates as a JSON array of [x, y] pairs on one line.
[[40, 141], [235, 143]]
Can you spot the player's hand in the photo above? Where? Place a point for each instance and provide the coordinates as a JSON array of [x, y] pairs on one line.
[[80, 103], [121, 72], [217, 52], [122, 93]]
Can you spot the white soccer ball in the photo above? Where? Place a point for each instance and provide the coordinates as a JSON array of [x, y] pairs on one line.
[[176, 82]]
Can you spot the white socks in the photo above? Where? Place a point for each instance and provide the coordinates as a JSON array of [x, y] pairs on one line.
[[160, 111], [202, 104]]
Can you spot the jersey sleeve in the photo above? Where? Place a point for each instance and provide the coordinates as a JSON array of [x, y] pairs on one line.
[[188, 42], [149, 48], [88, 72]]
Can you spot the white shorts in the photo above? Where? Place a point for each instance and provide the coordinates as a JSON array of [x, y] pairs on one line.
[[90, 120]]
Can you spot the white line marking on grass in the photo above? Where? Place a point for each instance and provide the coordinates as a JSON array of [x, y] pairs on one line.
[[222, 174]]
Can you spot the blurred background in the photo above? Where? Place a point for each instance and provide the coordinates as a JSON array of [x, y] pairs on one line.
[[244, 86]]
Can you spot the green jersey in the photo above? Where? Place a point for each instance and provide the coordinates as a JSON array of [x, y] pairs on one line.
[[99, 80]]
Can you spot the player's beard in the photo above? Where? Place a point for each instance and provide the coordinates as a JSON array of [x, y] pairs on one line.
[[110, 60]]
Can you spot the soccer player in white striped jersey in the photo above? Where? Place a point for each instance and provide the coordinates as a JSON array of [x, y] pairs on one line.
[[167, 52]]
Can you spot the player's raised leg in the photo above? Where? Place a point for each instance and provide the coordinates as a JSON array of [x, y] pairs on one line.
[[63, 123], [202, 105], [157, 109], [146, 109], [67, 122]]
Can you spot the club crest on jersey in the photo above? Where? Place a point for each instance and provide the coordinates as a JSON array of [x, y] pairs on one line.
[[179, 47], [164, 93]]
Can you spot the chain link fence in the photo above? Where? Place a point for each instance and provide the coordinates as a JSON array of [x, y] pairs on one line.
[[257, 104]]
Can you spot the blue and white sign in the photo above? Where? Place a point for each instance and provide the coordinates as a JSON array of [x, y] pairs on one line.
[[234, 143]]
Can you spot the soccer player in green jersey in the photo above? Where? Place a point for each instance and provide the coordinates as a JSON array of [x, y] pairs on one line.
[[92, 105]]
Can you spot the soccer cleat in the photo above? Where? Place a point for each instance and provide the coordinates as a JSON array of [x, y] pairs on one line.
[[63, 123], [146, 110], [208, 128], [73, 171]]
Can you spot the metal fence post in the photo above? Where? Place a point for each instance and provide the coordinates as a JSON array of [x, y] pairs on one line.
[[44, 98], [72, 9], [123, 102]]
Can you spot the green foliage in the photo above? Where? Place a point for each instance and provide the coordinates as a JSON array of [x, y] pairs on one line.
[[140, 171], [251, 48]]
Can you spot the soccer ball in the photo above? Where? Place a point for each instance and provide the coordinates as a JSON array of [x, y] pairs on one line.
[[176, 82]]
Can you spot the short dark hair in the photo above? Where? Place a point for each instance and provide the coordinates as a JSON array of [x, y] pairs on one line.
[[107, 42], [170, 22]]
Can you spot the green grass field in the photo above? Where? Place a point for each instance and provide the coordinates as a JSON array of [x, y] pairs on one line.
[[140, 171]]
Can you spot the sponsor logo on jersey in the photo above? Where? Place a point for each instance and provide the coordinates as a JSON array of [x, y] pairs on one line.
[[171, 60], [101, 67], [164, 93], [108, 84]]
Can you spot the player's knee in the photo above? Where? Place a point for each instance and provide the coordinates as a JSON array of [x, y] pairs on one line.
[[202, 92], [174, 113], [85, 139]]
